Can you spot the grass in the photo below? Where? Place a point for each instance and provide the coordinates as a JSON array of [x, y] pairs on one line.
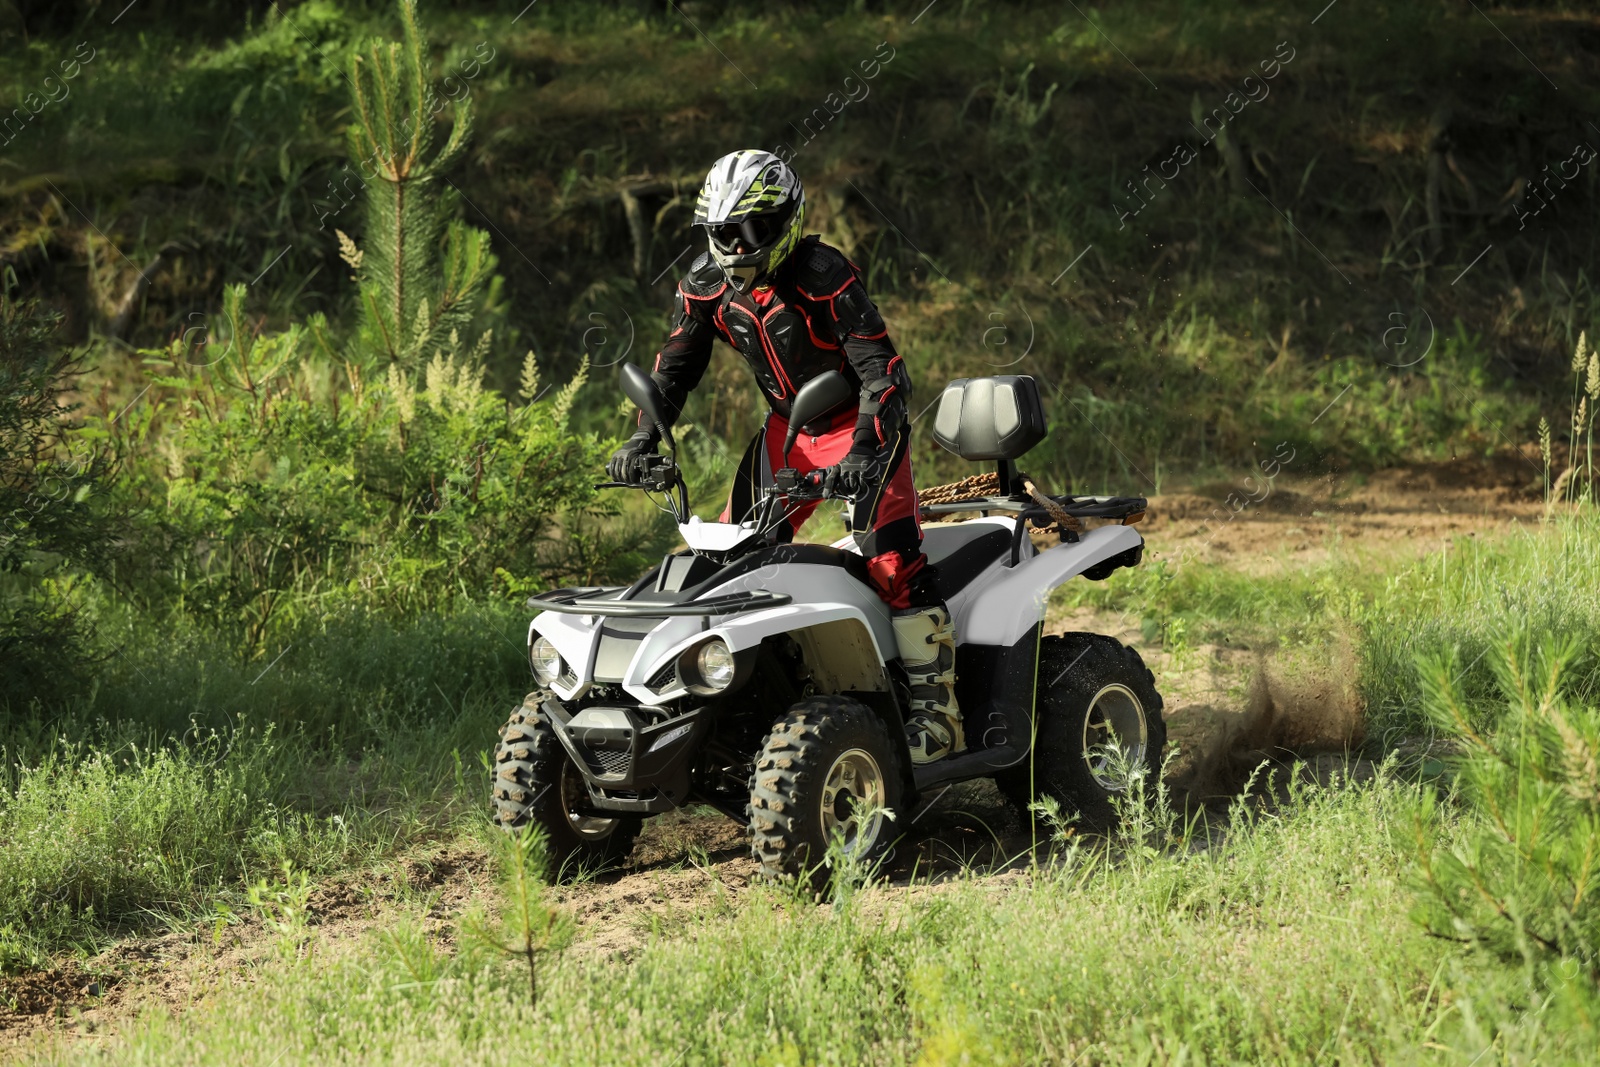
[[1287, 942], [177, 775], [184, 773], [1284, 936], [1454, 602]]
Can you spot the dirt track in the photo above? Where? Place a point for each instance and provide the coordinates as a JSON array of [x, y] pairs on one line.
[[1227, 708]]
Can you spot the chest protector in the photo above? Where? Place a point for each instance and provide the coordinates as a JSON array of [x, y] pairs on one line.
[[786, 329]]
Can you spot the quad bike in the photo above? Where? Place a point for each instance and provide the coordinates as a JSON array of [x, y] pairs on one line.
[[761, 678]]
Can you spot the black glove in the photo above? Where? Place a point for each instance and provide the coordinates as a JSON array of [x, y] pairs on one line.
[[627, 463], [856, 477]]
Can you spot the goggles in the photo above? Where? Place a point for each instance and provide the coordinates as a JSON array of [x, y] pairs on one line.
[[754, 232]]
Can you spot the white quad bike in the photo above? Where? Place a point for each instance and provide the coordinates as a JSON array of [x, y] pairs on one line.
[[762, 678]]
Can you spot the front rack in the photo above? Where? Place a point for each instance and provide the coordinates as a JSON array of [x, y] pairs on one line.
[[601, 600]]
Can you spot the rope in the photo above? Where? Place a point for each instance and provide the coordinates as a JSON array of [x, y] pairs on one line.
[[974, 488], [980, 486], [1051, 508]]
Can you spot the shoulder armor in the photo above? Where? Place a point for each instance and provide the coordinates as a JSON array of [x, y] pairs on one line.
[[704, 280], [820, 269]]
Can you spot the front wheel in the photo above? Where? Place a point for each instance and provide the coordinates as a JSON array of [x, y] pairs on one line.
[[536, 784], [1098, 722], [827, 770]]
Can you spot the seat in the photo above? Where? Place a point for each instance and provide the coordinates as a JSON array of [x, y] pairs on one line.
[[961, 551], [996, 418]]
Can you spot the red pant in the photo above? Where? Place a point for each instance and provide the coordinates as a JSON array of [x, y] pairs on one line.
[[884, 525]]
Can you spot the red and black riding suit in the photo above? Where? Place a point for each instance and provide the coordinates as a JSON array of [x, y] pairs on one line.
[[810, 316]]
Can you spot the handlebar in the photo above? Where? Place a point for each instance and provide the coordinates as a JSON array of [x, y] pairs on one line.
[[659, 475], [791, 483]]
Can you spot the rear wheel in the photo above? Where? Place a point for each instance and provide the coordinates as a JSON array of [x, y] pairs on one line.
[[535, 783], [827, 769], [1097, 707]]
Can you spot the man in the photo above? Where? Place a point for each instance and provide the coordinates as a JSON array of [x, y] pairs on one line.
[[795, 308]]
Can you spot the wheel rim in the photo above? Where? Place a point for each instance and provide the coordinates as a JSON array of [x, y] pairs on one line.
[[854, 784], [1115, 720], [573, 796]]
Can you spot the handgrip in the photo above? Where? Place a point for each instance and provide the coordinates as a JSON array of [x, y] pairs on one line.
[[792, 483]]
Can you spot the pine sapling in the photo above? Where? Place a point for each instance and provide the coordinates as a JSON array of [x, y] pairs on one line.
[[422, 275], [531, 927]]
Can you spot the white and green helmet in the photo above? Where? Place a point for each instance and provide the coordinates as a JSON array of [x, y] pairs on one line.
[[752, 206]]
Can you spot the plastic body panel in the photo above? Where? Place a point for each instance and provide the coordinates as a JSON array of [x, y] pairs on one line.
[[998, 608], [821, 594]]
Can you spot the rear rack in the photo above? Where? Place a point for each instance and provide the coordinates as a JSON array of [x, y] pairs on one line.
[[1130, 509], [1127, 509], [602, 600]]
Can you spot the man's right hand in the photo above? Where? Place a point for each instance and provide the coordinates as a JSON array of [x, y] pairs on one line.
[[627, 463]]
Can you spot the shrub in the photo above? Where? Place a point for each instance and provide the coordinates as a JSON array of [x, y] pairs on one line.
[[280, 484], [52, 522]]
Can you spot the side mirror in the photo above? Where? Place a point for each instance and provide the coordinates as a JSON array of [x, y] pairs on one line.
[[642, 390], [815, 399]]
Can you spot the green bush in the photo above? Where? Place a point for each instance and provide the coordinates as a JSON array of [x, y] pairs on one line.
[[53, 521], [280, 484]]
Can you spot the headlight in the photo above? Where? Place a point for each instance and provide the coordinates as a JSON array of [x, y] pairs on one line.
[[545, 660], [714, 664]]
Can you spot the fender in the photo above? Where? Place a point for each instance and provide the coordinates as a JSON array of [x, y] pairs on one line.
[[847, 615], [575, 639], [1010, 604], [842, 621], [822, 595]]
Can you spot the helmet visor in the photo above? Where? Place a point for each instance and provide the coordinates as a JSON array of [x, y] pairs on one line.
[[753, 233]]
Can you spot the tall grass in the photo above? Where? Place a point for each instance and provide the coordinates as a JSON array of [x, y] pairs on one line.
[[1461, 601], [183, 771]]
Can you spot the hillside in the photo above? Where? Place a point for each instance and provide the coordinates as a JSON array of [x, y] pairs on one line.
[[1196, 263]]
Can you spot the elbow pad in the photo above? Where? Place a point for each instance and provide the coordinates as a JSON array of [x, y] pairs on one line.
[[858, 315]]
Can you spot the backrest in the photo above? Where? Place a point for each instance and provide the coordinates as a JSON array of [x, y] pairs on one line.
[[990, 418]]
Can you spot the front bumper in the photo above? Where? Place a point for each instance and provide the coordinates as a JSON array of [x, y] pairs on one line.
[[629, 763]]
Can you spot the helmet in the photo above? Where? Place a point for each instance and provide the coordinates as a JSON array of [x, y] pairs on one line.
[[752, 206]]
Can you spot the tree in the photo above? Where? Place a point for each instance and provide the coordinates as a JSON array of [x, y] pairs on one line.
[[417, 294]]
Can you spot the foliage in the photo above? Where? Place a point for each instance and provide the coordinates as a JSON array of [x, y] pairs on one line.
[[53, 520], [1521, 879], [1016, 130], [286, 486]]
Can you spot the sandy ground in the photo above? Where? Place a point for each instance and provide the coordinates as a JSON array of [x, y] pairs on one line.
[[1227, 710]]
